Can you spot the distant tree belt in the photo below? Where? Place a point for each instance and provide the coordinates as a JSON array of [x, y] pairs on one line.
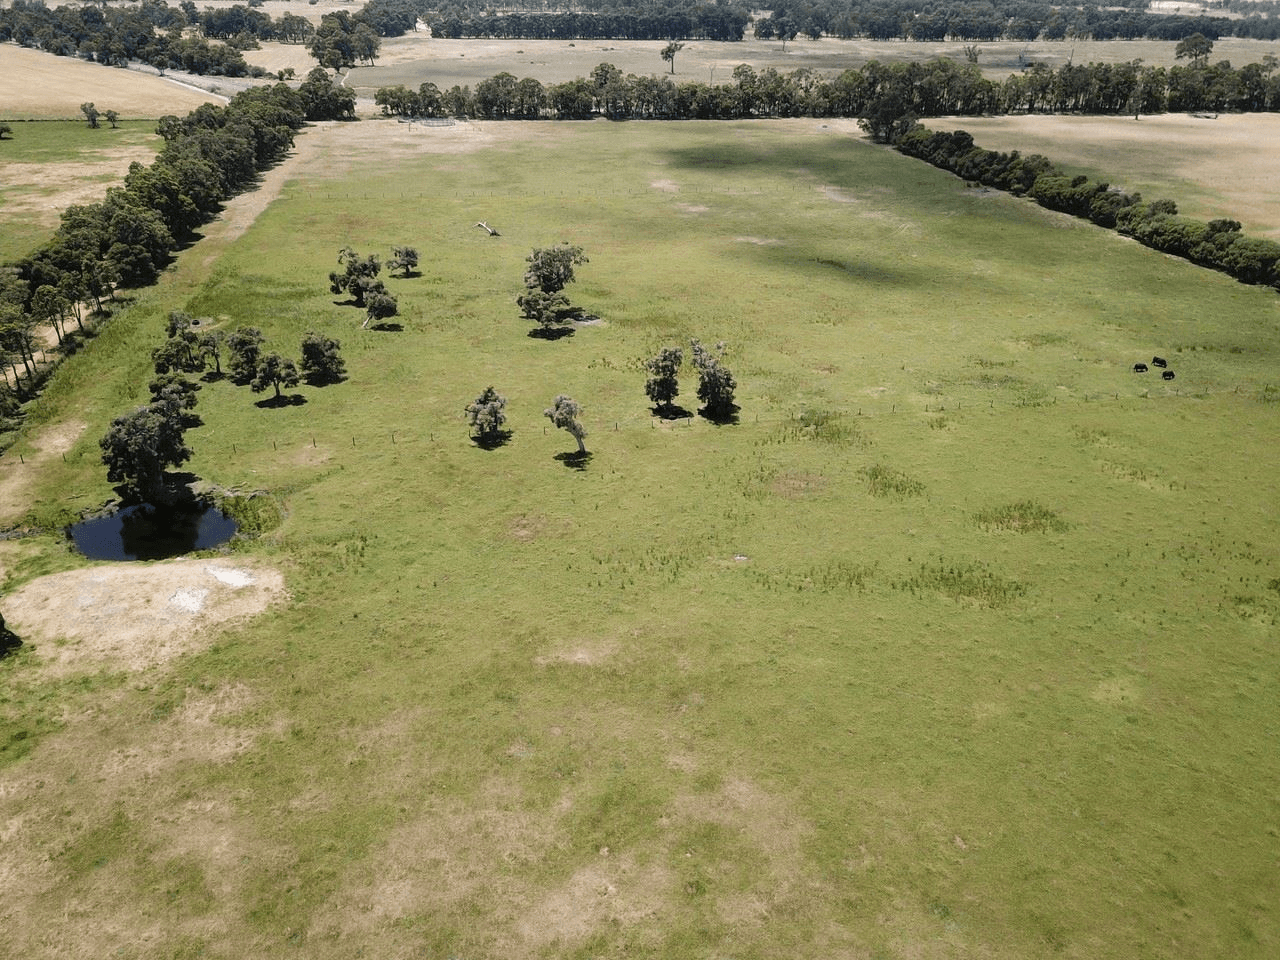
[[691, 21], [1218, 244], [873, 19], [152, 32], [882, 93]]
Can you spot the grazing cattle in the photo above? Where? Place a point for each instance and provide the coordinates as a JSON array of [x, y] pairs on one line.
[[1139, 368], [1159, 362], [1167, 375]]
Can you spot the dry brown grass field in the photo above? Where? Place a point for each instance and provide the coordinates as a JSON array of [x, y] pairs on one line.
[[416, 58], [38, 85], [1225, 167]]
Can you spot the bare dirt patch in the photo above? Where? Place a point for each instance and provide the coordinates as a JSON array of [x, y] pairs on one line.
[[17, 474], [134, 616], [39, 192], [796, 486]]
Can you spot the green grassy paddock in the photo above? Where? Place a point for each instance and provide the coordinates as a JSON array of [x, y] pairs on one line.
[[718, 693]]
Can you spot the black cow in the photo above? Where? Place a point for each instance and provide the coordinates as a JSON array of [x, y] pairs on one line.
[[1139, 368], [1167, 375], [1159, 362]]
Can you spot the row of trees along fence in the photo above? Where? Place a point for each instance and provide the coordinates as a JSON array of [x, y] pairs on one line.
[[1218, 244], [939, 87]]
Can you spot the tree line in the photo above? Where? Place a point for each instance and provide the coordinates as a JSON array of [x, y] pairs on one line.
[[1218, 244], [990, 20], [930, 20], [127, 238], [880, 93], [150, 32]]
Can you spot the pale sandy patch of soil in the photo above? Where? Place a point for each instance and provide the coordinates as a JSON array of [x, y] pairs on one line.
[[587, 654], [133, 616], [41, 191], [610, 892]]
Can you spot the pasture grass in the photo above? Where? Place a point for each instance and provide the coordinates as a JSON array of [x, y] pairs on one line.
[[714, 693]]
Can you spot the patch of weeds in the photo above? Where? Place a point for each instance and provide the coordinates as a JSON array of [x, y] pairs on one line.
[[98, 845], [989, 364], [822, 426], [964, 581], [1032, 396], [1043, 339], [1026, 516], [1270, 393], [254, 513], [27, 711], [1091, 435], [884, 481], [1138, 475], [1000, 380], [939, 423], [837, 575]]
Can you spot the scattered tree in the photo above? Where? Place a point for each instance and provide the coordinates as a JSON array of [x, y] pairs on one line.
[[140, 446], [181, 349], [244, 348], [403, 258], [716, 385], [486, 415], [111, 117], [379, 306], [276, 371], [564, 415], [663, 385], [1196, 47], [210, 346], [359, 275], [551, 268], [91, 114], [546, 309], [321, 362], [669, 52], [6, 131]]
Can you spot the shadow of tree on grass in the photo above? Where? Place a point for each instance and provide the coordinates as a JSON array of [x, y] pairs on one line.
[[575, 460], [284, 400], [492, 441]]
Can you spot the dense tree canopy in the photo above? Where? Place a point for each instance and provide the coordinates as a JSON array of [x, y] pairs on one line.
[[140, 446]]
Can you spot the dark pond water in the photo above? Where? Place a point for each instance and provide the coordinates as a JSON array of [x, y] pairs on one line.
[[146, 532]]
